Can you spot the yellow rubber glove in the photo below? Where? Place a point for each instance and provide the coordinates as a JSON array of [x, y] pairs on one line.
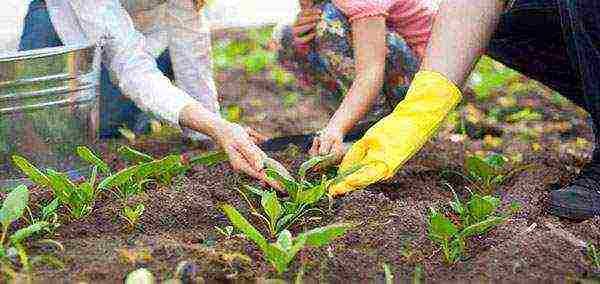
[[396, 138]]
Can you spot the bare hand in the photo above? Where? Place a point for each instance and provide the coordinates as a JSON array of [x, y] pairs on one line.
[[304, 27], [243, 153], [329, 141]]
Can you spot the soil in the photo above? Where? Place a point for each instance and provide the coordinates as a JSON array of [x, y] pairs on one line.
[[391, 217]]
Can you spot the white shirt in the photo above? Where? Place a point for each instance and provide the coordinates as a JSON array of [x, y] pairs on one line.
[[129, 58]]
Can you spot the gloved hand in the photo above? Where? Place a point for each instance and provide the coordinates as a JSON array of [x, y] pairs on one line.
[[397, 137]]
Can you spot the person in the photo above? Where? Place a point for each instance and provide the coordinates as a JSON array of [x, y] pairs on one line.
[[554, 41], [361, 55], [131, 77]]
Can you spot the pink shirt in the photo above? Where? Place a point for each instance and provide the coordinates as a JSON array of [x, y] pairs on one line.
[[412, 19]]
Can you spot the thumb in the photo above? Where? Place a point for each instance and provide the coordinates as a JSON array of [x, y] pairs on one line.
[[367, 175]]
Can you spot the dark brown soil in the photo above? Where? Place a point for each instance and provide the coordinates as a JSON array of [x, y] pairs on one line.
[[391, 228]]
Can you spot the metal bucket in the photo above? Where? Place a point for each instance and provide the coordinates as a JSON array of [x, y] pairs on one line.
[[48, 107]]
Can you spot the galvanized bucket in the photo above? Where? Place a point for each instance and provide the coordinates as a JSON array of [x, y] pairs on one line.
[[48, 107]]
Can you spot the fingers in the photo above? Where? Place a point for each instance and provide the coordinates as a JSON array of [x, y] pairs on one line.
[[325, 147], [314, 150], [255, 136], [367, 175], [239, 163]]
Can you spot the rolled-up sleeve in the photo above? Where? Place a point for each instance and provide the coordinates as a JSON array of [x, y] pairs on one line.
[[358, 9], [190, 50], [130, 65]]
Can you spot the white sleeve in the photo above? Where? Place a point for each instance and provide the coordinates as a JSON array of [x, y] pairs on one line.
[[190, 51], [130, 65]]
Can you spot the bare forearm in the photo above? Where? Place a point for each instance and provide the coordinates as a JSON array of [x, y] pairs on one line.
[[358, 100], [460, 35], [197, 117], [370, 52]]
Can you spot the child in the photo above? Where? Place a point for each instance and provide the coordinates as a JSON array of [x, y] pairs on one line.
[[362, 54]]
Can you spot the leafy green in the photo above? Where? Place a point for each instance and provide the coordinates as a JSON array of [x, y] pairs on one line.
[[13, 206], [283, 251], [87, 155], [132, 215], [489, 173], [476, 218], [33, 173]]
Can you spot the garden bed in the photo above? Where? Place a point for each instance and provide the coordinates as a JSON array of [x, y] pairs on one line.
[[391, 227]]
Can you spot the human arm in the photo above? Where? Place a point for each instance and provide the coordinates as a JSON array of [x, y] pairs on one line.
[[370, 53], [137, 75], [461, 32]]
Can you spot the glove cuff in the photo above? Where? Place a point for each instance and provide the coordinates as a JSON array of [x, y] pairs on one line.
[[432, 78]]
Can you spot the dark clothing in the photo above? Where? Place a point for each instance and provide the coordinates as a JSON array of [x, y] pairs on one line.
[[116, 110], [556, 42]]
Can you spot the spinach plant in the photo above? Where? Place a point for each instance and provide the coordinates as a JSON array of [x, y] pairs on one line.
[[78, 198], [594, 255], [282, 252], [132, 215], [146, 169], [487, 174], [11, 245], [280, 214], [476, 217]]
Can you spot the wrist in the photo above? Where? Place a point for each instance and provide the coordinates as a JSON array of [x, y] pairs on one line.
[[198, 118]]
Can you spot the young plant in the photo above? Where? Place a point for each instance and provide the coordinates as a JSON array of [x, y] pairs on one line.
[[594, 255], [281, 214], [282, 252], [476, 217], [132, 215], [146, 169], [79, 198], [489, 173], [48, 213], [11, 246]]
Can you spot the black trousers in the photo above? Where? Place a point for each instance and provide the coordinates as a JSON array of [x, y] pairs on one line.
[[556, 42]]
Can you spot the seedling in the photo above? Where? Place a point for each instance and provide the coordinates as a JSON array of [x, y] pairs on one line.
[[280, 214], [145, 169], [488, 173], [594, 255], [132, 215], [11, 246], [49, 214], [283, 251], [476, 217], [79, 198], [226, 231]]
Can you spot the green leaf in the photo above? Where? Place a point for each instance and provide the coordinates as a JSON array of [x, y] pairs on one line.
[[324, 235], [278, 257], [496, 160], [33, 173], [240, 223], [50, 209], [209, 159], [134, 156], [389, 276], [283, 221], [440, 227], [313, 162], [311, 195], [284, 240], [479, 168], [482, 227], [87, 155], [120, 178], [480, 208], [290, 185], [271, 205], [152, 169], [256, 191], [24, 233], [14, 205], [63, 187]]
